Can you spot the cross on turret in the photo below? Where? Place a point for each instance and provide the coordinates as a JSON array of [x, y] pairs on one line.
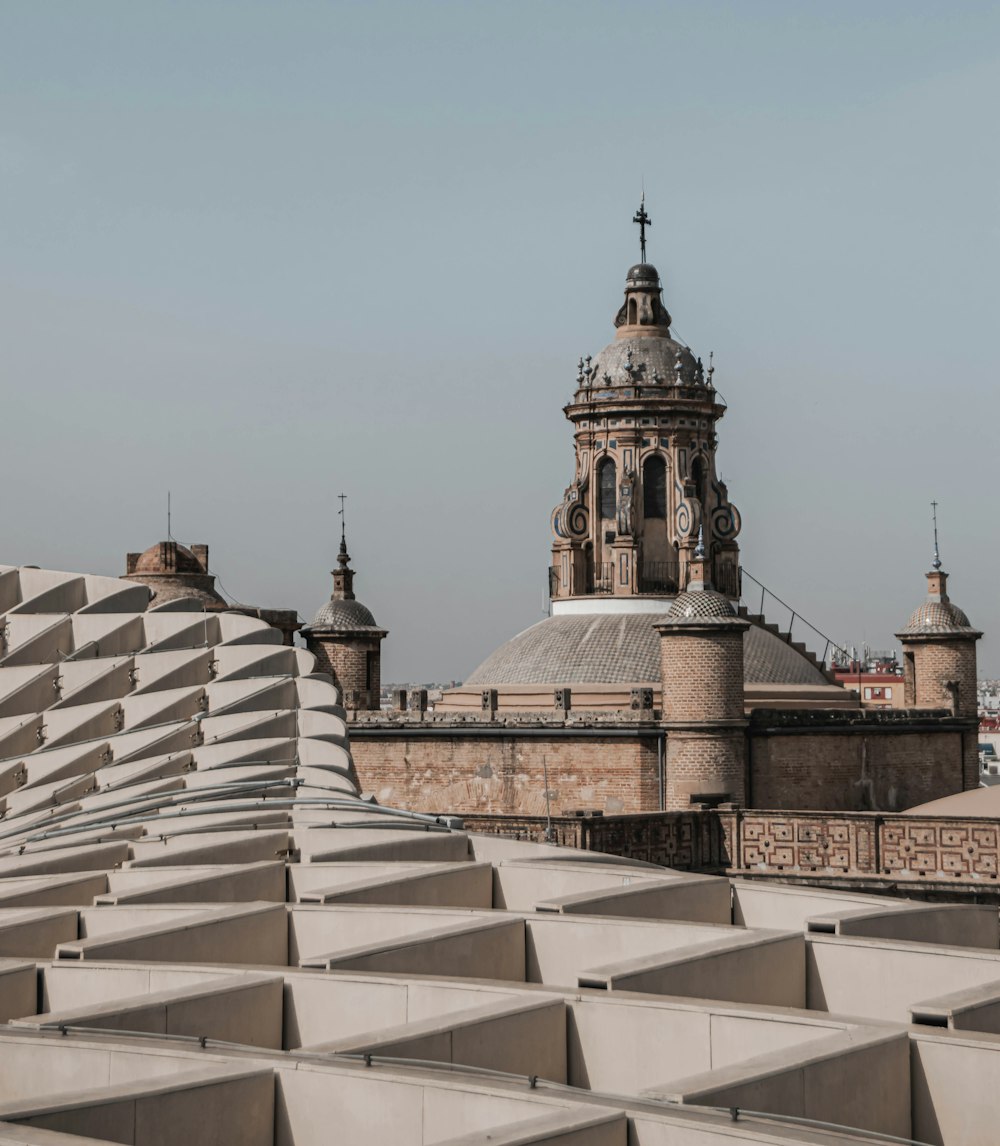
[[644, 221], [340, 514]]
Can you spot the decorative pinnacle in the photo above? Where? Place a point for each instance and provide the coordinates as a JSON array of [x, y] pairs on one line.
[[699, 549], [342, 558], [936, 563], [644, 221], [711, 367]]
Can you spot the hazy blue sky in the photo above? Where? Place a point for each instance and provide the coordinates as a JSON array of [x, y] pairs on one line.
[[258, 253]]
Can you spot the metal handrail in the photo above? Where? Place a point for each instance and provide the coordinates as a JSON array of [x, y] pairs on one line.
[[764, 591]]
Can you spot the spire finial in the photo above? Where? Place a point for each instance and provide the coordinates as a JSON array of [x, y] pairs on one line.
[[343, 531], [644, 221], [343, 575], [699, 549], [936, 563]]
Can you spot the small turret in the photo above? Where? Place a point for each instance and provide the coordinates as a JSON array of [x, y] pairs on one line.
[[345, 639], [701, 647], [939, 660]]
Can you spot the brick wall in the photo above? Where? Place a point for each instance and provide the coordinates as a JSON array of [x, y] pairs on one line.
[[856, 772], [850, 761], [702, 674], [505, 773], [707, 764], [346, 660], [937, 662]]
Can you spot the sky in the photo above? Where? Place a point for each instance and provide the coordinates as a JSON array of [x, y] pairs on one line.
[[257, 254]]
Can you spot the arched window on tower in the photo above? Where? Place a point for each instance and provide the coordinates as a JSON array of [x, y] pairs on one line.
[[654, 488], [631, 312], [607, 489], [698, 478]]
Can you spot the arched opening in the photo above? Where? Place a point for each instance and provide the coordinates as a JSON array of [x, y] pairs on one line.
[[659, 566], [654, 488], [607, 491], [698, 478], [631, 312]]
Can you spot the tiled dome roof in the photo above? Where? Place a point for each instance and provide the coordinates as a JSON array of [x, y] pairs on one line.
[[937, 617], [610, 648], [644, 273], [653, 362], [344, 614], [704, 604]]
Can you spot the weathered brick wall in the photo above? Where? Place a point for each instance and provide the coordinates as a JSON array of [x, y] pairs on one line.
[[346, 660], [707, 764], [702, 675], [938, 662], [505, 773], [809, 760], [854, 772]]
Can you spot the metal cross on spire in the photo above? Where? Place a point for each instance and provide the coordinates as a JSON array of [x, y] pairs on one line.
[[340, 514], [936, 563], [644, 221]]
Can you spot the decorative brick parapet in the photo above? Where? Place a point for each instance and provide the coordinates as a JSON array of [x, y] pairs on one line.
[[865, 846], [869, 844], [686, 841]]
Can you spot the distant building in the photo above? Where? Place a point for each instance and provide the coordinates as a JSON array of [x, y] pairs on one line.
[[173, 573], [650, 686], [876, 677]]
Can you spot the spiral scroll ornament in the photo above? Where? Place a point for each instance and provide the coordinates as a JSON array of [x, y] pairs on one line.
[[726, 521], [570, 519], [688, 517]]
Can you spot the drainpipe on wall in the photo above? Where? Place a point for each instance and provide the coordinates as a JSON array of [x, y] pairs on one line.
[[661, 769], [749, 772]]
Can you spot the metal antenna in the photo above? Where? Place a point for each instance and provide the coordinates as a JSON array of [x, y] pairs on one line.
[[644, 221], [170, 536], [936, 563]]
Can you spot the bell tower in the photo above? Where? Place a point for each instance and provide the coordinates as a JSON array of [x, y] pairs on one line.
[[644, 414]]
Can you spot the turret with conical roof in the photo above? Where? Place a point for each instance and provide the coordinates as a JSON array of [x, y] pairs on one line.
[[345, 639]]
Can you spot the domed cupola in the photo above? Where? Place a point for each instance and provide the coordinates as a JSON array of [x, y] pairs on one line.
[[644, 412], [346, 640], [172, 572], [643, 314]]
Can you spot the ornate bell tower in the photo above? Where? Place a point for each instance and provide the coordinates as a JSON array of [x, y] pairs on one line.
[[644, 415]]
